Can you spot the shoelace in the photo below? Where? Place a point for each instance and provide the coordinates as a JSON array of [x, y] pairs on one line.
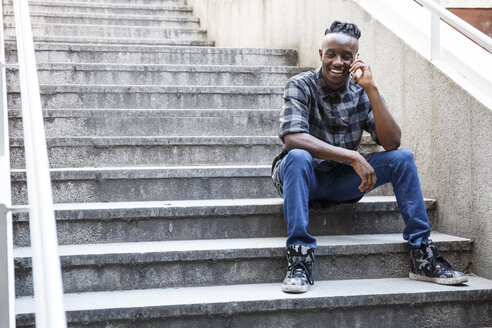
[[438, 259], [443, 262], [302, 266]]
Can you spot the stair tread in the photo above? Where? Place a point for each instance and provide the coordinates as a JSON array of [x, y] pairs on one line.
[[202, 203], [35, 13], [168, 67], [103, 40], [75, 4], [145, 112], [161, 140], [235, 248], [254, 297], [147, 48], [105, 26], [105, 88], [138, 172], [202, 207], [154, 140]]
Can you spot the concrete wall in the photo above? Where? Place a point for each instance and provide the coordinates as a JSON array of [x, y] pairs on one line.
[[448, 130]]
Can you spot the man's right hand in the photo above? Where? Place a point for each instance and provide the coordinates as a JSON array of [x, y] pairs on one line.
[[365, 171]]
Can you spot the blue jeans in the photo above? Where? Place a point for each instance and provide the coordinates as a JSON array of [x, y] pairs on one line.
[[302, 183]]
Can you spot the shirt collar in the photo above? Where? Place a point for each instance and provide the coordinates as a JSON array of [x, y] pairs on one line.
[[325, 90]]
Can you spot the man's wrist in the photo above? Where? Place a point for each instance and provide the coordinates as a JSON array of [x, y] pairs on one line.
[[371, 88], [352, 156]]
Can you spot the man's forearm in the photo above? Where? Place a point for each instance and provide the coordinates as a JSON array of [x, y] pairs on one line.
[[318, 148], [387, 129]]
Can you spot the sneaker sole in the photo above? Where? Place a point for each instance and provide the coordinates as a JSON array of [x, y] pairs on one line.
[[441, 281], [294, 289]]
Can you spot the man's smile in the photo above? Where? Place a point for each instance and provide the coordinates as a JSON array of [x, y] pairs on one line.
[[337, 72]]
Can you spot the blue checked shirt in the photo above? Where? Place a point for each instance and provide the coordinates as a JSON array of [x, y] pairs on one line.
[[336, 117]]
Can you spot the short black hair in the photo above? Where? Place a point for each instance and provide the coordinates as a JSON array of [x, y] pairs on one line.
[[345, 28]]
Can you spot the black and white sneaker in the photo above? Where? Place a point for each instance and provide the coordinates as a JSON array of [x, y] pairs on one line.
[[427, 265], [299, 270]]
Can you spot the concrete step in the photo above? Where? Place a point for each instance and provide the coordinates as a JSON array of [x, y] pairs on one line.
[[117, 74], [131, 54], [123, 222], [76, 31], [119, 41], [107, 8], [155, 96], [152, 122], [384, 303], [124, 2], [49, 17], [155, 150], [127, 2], [159, 150], [190, 263], [116, 184]]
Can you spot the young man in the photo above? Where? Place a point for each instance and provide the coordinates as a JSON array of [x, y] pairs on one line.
[[322, 121]]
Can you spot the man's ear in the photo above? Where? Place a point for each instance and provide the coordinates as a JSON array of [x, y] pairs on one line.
[[320, 54]]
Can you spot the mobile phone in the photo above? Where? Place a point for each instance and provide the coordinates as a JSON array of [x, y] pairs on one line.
[[353, 73]]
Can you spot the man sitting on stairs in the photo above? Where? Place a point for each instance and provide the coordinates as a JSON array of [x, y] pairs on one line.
[[321, 125]]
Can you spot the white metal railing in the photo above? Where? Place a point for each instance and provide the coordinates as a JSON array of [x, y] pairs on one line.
[[47, 279], [439, 12]]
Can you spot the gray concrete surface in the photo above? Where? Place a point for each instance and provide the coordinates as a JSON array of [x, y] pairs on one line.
[[157, 183], [189, 263], [124, 2], [154, 96], [153, 122], [141, 54], [157, 150], [85, 223], [46, 17], [119, 32], [132, 151], [152, 183], [110, 40], [94, 7], [152, 74], [375, 302]]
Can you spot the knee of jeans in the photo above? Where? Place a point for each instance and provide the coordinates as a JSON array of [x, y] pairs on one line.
[[299, 157], [403, 155], [295, 162]]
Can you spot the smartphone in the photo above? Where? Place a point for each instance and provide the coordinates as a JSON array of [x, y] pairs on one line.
[[353, 73]]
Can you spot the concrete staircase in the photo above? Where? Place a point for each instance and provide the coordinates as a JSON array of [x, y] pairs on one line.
[[160, 146]]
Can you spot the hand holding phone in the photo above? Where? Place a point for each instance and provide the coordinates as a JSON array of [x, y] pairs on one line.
[[365, 78]]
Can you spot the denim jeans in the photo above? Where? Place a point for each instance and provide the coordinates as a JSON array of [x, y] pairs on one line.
[[302, 183]]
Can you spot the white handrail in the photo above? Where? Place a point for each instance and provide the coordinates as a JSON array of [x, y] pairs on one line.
[[480, 38], [47, 279]]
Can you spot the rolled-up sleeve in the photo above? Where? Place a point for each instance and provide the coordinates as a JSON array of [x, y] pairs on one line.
[[294, 117]]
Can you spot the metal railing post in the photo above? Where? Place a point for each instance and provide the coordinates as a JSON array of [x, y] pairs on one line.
[[7, 296], [435, 35], [47, 279]]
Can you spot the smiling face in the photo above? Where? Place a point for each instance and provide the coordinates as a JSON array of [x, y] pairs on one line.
[[337, 54]]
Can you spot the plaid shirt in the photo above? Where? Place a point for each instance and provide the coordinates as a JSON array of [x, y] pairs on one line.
[[336, 117]]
